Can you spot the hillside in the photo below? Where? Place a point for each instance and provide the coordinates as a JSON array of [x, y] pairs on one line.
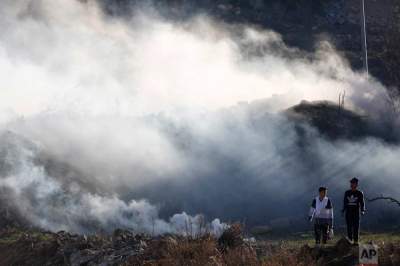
[[337, 122], [232, 194], [183, 132]]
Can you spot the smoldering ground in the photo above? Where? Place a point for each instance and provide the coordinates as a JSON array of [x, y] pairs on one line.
[[123, 122]]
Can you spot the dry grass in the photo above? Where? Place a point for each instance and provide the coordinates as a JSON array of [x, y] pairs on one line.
[[229, 249], [205, 251], [286, 257], [39, 248]]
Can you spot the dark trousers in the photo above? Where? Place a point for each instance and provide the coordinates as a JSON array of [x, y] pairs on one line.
[[353, 224], [321, 230]]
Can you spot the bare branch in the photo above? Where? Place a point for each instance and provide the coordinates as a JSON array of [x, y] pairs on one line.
[[390, 199]]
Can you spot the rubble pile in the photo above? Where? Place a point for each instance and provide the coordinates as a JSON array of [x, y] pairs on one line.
[[63, 248], [123, 247], [343, 253]]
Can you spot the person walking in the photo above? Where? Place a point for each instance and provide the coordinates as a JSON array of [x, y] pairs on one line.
[[353, 206], [321, 212]]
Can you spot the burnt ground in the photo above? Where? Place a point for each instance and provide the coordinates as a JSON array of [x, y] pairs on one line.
[[35, 247]]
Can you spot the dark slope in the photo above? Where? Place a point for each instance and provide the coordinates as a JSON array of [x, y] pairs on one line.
[[261, 161], [332, 121]]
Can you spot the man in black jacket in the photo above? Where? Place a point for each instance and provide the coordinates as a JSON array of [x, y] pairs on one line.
[[353, 205]]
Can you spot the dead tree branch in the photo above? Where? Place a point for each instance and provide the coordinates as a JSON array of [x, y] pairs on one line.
[[390, 199]]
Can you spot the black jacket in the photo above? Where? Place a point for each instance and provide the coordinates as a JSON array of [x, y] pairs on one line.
[[353, 201]]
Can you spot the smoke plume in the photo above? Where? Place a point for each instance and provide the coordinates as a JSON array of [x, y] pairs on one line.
[[134, 122]]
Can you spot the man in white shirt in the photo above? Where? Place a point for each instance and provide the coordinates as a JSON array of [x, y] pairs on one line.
[[321, 212]]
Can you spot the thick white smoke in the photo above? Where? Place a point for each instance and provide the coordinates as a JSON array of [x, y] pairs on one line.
[[39, 198], [133, 107], [67, 55]]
